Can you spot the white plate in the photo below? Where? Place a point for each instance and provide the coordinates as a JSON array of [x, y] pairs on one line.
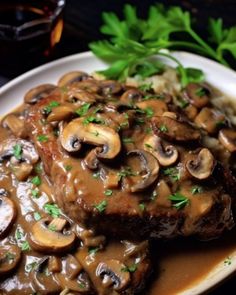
[[11, 95]]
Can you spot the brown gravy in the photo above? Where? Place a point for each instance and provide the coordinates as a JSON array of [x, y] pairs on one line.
[[178, 263]]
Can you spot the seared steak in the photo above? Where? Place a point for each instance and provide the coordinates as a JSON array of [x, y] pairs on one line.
[[129, 163]]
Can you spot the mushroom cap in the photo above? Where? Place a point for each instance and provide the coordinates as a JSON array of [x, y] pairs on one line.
[[60, 113], [28, 154], [44, 239], [77, 132], [112, 273], [227, 137], [37, 93], [197, 94], [171, 129], [149, 172], [71, 77], [166, 156], [9, 258], [202, 166], [8, 213]]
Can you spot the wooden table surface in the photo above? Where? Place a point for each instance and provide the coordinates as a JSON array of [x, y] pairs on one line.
[[82, 22]]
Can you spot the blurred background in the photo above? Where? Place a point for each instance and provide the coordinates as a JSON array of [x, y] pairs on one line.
[[82, 19]]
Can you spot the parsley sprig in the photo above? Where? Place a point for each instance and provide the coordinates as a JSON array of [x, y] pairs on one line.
[[132, 41], [178, 200]]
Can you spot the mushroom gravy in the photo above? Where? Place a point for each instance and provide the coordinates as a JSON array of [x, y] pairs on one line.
[[45, 251]]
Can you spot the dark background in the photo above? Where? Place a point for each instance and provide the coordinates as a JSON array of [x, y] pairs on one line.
[[82, 22]]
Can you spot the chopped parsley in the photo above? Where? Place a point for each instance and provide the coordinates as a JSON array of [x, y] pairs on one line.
[[220, 124], [173, 173], [35, 193], [36, 180], [81, 285], [25, 246], [92, 119], [183, 104], [127, 140], [68, 167], [31, 266], [146, 87], [148, 146], [19, 234], [96, 133], [42, 138], [93, 250], [149, 112], [131, 268], [52, 227], [196, 189], [200, 91], [17, 151], [228, 261], [127, 171], [9, 256], [178, 200], [142, 206], [96, 175], [101, 207], [163, 128], [83, 110], [38, 168], [108, 192], [37, 216], [52, 209], [47, 110]]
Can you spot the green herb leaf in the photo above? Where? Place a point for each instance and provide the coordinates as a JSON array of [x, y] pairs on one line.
[[52, 209], [127, 140], [163, 128], [146, 87], [37, 216], [132, 268], [25, 246], [200, 91], [96, 175], [92, 119], [35, 193], [10, 257], [142, 206], [93, 250], [228, 261], [17, 151], [82, 111], [173, 173], [68, 167], [125, 172], [47, 110], [36, 180], [196, 189], [178, 200], [108, 192], [42, 138], [101, 207]]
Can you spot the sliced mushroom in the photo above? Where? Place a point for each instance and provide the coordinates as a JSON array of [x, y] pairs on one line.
[[77, 132], [210, 120], [202, 166], [110, 87], [157, 107], [171, 129], [82, 95], [89, 238], [9, 258], [166, 155], [227, 137], [27, 150], [131, 95], [60, 113], [113, 275], [91, 160], [15, 124], [50, 237], [197, 94], [81, 284], [43, 280], [8, 213], [71, 77], [22, 170], [37, 93], [149, 170]]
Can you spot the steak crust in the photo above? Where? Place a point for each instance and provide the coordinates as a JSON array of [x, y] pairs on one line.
[[121, 212]]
